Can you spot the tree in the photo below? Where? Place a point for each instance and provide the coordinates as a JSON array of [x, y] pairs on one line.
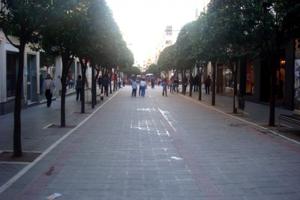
[[279, 22], [131, 70], [24, 20], [166, 59], [153, 69], [60, 38], [186, 46], [238, 18]]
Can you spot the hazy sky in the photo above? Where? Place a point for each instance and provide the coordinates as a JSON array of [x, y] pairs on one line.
[[143, 22]]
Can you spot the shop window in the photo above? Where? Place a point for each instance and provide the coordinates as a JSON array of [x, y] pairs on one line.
[[11, 73], [228, 78]]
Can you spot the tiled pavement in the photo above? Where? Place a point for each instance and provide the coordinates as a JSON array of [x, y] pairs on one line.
[[164, 148], [254, 112], [35, 138], [257, 113]]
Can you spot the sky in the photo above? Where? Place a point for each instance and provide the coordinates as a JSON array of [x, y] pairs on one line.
[[143, 22]]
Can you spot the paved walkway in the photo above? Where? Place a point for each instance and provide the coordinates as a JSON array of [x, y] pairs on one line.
[[35, 136], [255, 112], [163, 148]]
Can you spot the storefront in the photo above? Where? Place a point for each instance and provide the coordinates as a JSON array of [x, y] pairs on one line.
[[224, 80], [297, 77]]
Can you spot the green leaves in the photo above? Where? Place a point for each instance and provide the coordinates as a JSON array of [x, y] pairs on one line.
[[24, 19], [230, 29], [167, 57], [87, 30]]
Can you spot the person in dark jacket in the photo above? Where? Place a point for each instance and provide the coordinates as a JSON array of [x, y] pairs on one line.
[[105, 83], [207, 83], [78, 88]]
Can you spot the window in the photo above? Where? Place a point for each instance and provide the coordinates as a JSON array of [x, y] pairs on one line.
[[11, 73]]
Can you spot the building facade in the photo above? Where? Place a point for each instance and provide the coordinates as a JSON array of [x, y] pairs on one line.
[[35, 71], [8, 75], [254, 81]]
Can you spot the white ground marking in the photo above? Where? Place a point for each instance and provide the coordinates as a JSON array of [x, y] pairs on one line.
[[165, 116], [142, 125], [176, 158], [47, 126], [159, 133], [47, 151], [243, 120], [146, 109]]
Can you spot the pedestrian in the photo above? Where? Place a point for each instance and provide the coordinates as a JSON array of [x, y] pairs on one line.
[[49, 87], [100, 82], [152, 82], [120, 82], [176, 84], [134, 87], [78, 87], [171, 84], [207, 83], [143, 86], [105, 83], [184, 84], [164, 84]]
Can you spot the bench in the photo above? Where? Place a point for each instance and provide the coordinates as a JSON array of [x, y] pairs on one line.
[[291, 121]]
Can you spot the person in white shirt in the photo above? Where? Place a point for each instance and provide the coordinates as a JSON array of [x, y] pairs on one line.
[[134, 88], [143, 86], [49, 87]]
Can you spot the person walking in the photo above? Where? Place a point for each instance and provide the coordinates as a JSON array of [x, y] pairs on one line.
[[78, 87], [164, 84], [143, 86], [207, 83], [49, 87], [134, 87], [105, 83]]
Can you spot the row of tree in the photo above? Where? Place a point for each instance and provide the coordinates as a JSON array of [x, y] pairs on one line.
[[230, 30], [81, 29]]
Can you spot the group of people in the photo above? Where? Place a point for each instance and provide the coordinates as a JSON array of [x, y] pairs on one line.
[[54, 87], [142, 87], [172, 84]]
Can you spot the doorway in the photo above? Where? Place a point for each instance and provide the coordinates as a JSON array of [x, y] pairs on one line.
[[31, 79]]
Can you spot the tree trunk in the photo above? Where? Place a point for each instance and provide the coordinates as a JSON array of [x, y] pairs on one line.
[[242, 85], [183, 82], [17, 145], [110, 86], [191, 84], [234, 71], [93, 88], [63, 100], [200, 85], [66, 65], [214, 70], [273, 66], [82, 94]]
